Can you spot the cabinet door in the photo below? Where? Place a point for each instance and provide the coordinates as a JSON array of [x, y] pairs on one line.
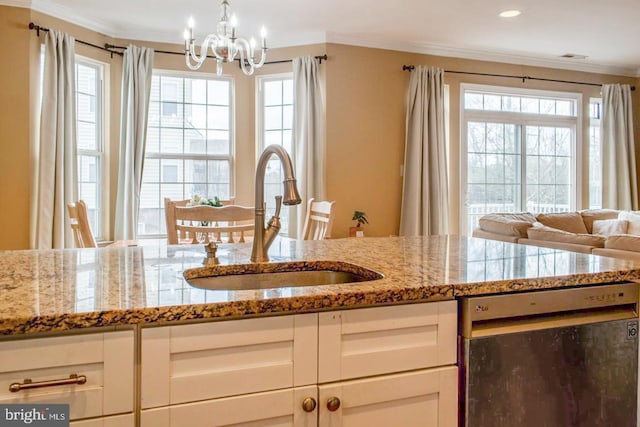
[[187, 363], [427, 398], [381, 340], [115, 421], [106, 360], [280, 408]]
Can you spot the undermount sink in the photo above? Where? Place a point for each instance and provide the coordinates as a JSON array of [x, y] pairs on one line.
[[277, 275]]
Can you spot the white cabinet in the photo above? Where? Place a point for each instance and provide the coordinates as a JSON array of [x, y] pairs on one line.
[[426, 398], [93, 373], [267, 371], [383, 340], [188, 363], [272, 408], [127, 420], [374, 341]]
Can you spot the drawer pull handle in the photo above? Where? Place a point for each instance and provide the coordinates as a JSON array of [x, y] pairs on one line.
[[28, 383], [333, 403], [309, 404]]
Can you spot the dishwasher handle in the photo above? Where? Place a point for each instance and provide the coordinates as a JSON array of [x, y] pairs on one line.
[[556, 320]]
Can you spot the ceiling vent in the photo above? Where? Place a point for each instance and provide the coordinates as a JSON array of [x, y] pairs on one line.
[[573, 56]]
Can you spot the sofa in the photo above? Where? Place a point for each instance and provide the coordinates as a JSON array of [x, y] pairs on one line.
[[603, 232]]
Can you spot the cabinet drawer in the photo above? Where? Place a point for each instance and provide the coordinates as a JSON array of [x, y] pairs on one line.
[[380, 340], [272, 408], [105, 359], [188, 363], [426, 398], [127, 420]]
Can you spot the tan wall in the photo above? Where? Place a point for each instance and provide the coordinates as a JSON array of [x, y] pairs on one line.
[[15, 128], [364, 93]]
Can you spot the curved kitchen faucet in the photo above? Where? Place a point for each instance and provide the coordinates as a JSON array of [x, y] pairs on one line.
[[263, 237]]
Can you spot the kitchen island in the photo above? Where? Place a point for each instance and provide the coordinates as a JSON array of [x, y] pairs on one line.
[[53, 291], [126, 341]]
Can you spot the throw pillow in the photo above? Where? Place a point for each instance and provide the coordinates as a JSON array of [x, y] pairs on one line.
[[567, 221], [590, 215], [608, 227], [508, 224], [634, 221]]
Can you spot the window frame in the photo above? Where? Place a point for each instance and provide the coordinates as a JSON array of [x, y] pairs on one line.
[[230, 157], [521, 120], [101, 152], [292, 217]]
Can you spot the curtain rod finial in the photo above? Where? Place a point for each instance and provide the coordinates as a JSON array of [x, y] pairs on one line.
[[408, 68]]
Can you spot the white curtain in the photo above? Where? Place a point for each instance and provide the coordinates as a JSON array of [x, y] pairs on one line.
[[619, 185], [137, 70], [425, 200], [308, 132], [57, 162]]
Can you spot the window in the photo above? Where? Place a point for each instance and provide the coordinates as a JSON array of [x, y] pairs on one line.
[[595, 154], [519, 152], [189, 144], [89, 126], [275, 123]]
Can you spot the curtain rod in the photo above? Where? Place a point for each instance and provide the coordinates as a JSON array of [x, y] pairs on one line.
[[38, 28], [523, 78], [168, 52]]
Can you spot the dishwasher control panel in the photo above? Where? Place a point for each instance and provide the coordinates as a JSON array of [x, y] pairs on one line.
[[621, 298]]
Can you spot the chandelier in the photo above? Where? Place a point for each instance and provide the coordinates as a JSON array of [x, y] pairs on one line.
[[225, 45]]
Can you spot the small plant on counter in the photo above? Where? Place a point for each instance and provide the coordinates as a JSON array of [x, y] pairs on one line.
[[361, 219]]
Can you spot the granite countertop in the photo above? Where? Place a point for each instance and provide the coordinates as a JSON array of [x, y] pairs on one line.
[[51, 291]]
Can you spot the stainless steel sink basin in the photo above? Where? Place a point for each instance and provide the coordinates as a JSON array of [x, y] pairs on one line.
[[277, 275]]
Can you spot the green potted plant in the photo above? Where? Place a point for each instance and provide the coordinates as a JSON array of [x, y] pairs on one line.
[[361, 219]]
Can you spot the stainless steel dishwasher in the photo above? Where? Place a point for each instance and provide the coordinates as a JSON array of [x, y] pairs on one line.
[[559, 358]]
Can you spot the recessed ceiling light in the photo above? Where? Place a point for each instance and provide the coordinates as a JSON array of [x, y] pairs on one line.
[[509, 13]]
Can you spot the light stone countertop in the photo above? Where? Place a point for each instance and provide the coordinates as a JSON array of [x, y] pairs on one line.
[[52, 291]]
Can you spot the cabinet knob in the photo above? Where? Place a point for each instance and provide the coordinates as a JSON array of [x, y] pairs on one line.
[[309, 404], [333, 403]]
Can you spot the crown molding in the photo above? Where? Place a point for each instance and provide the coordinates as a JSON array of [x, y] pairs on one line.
[[16, 3], [69, 14], [483, 55]]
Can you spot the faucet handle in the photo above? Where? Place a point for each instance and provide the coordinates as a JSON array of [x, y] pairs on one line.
[[278, 206]]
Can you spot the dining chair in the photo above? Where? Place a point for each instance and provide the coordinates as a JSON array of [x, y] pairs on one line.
[[80, 225], [319, 220], [202, 223], [82, 234]]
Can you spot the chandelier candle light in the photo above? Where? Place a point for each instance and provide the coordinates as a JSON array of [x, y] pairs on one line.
[[225, 45]]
